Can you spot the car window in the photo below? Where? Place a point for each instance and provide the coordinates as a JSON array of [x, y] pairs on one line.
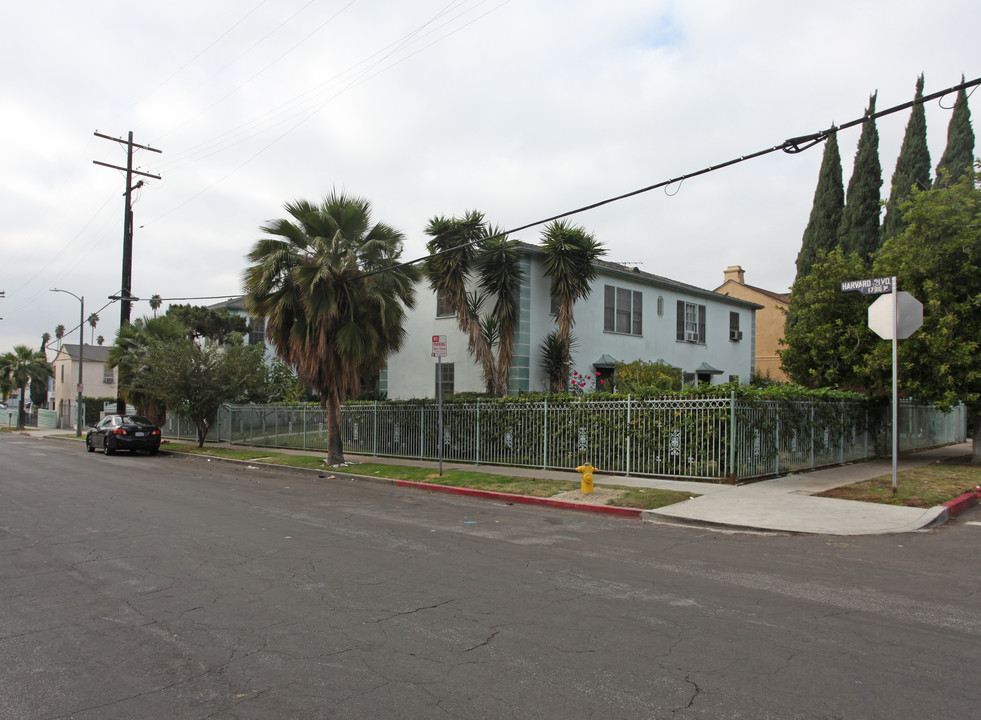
[[140, 420]]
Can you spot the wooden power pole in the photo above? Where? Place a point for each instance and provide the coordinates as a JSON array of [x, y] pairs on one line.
[[126, 287]]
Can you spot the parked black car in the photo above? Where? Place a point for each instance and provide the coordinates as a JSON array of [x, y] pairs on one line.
[[123, 432]]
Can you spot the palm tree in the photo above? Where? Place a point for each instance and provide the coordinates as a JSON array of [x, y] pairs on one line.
[[22, 366], [45, 339], [100, 340], [155, 303], [93, 320], [499, 270], [333, 310], [461, 247], [128, 353], [59, 334], [569, 253]]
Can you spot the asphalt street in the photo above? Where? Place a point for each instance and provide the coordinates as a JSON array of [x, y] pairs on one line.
[[175, 587]]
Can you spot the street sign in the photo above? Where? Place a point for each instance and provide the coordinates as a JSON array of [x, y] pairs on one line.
[[910, 318], [439, 346], [872, 286]]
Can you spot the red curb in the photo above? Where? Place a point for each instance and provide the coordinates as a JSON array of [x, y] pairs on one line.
[[526, 499], [958, 505]]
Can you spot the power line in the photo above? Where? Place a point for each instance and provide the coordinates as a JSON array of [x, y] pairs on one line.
[[791, 146]]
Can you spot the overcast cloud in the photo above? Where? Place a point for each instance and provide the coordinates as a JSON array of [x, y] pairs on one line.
[[522, 109]]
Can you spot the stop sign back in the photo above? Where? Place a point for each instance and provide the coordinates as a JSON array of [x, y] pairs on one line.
[[910, 316]]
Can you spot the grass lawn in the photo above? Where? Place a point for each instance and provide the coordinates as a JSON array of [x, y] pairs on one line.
[[642, 498], [921, 487]]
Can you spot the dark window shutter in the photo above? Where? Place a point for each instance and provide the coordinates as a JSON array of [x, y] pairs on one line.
[[701, 323], [681, 321]]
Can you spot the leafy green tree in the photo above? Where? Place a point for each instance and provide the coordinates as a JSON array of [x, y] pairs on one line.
[[21, 367], [912, 167], [827, 344], [128, 354], [204, 322], [328, 283], [938, 260], [859, 231], [958, 157], [821, 233], [194, 379]]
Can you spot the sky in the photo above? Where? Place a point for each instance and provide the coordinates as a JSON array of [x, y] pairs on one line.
[[522, 109]]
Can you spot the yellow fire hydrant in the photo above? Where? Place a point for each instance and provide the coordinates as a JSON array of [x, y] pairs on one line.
[[587, 471]]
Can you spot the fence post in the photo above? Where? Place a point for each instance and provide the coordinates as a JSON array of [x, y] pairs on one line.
[[374, 439], [422, 432], [812, 435], [628, 435], [776, 470], [545, 435], [478, 432], [732, 435]]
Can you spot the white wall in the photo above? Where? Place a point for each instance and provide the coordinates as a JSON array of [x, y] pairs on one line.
[[411, 372]]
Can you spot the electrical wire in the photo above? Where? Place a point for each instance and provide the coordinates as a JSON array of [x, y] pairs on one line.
[[791, 146]]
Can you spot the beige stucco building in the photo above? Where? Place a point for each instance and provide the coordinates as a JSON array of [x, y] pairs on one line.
[[97, 379], [769, 321]]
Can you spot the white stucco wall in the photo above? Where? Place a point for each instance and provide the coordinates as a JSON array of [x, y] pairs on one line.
[[411, 372]]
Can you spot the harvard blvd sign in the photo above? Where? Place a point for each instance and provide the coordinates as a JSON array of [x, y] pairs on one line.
[[872, 286]]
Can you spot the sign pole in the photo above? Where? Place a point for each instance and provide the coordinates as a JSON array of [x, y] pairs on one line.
[[439, 352], [439, 394], [895, 384]]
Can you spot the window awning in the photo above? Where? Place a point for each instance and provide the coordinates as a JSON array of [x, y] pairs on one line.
[[665, 363], [707, 369], [605, 361]]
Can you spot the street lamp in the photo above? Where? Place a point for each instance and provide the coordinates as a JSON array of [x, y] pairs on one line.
[[81, 353]]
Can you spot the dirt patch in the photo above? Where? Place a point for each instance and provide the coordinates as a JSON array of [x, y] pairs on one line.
[[599, 496]]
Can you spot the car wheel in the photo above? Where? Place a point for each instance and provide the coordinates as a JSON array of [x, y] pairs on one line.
[[108, 449], [88, 445]]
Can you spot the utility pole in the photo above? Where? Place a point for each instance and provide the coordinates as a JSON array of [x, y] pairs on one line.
[[126, 286]]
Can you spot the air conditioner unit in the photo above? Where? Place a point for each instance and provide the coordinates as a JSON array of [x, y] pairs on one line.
[[735, 335], [691, 337], [107, 379]]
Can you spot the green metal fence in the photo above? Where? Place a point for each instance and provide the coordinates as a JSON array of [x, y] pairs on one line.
[[707, 438]]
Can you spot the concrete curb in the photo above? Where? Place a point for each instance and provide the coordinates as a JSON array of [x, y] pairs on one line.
[[958, 505], [523, 499]]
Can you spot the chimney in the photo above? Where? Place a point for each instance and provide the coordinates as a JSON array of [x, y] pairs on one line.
[[736, 274]]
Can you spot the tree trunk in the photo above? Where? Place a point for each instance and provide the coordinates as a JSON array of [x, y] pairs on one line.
[[974, 421], [335, 448]]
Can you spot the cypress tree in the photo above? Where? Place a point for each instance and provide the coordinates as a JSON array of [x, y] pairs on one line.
[[912, 168], [859, 230], [821, 233], [958, 156]]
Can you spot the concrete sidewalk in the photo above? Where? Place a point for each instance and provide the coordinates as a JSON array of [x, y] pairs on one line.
[[784, 504]]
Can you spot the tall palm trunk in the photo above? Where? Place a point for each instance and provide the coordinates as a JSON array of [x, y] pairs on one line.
[[335, 447]]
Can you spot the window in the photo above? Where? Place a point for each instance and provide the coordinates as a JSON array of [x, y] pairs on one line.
[[691, 322], [443, 307], [257, 332], [734, 333], [660, 306], [107, 375], [62, 372], [447, 378], [622, 311]]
